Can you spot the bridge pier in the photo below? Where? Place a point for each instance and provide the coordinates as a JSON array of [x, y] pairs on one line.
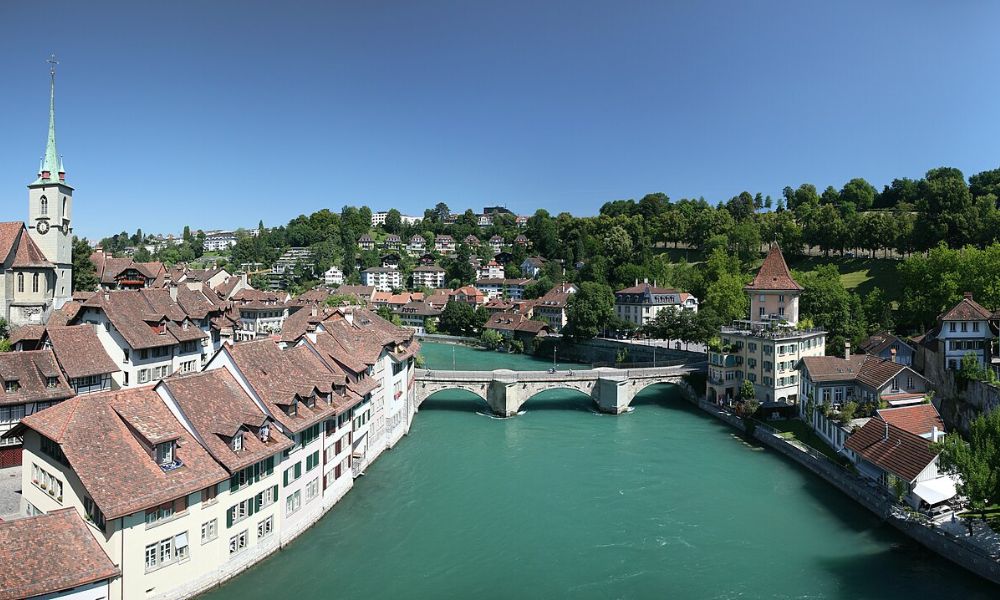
[[503, 394], [612, 393]]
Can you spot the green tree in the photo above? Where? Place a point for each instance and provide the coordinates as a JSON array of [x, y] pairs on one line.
[[727, 299], [858, 192], [589, 310], [84, 273], [491, 339], [393, 221], [386, 313], [458, 318]]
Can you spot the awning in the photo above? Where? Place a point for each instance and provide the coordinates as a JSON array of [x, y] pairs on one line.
[[935, 491]]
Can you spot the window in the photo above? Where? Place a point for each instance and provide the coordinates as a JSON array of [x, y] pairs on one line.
[[34, 283], [238, 542], [209, 494], [965, 326], [94, 514], [312, 489], [142, 376], [166, 551], [975, 326], [251, 474], [762, 311], [265, 527], [240, 511], [20, 282], [951, 327], [47, 482], [12, 385], [188, 366], [165, 453], [293, 502], [238, 442], [312, 461], [209, 531], [165, 510], [267, 497], [44, 205], [309, 435], [293, 408], [292, 473]]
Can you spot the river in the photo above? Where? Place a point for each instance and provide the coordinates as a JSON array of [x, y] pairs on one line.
[[663, 502]]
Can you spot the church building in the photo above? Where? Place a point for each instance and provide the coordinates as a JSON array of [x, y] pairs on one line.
[[37, 261]]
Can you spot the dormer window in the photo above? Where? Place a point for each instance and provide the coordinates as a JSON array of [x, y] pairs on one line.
[[293, 408], [264, 433], [11, 386], [165, 453], [238, 442], [311, 401], [51, 382]]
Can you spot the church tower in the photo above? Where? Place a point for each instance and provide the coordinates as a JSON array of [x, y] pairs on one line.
[[50, 207]]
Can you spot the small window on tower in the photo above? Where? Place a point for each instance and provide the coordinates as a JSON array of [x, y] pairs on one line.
[[44, 205]]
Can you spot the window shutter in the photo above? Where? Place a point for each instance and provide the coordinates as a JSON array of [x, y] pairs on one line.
[[298, 470], [251, 506], [229, 517], [274, 496], [260, 500], [270, 465], [233, 485], [286, 477]]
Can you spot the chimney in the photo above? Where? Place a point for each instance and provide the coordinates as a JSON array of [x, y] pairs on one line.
[[847, 350], [173, 293], [934, 434], [968, 295], [892, 354], [314, 310], [107, 295]]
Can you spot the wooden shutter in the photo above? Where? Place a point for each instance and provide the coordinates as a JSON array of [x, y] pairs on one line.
[[298, 470], [229, 516]]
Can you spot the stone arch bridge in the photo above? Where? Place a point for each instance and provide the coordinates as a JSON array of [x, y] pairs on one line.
[[505, 391]]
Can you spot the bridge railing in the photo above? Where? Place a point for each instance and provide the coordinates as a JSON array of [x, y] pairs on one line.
[[559, 375]]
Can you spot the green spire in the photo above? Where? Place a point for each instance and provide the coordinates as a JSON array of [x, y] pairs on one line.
[[52, 163]]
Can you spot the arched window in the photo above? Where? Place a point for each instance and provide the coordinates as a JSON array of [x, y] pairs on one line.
[[20, 282], [45, 205], [64, 207], [34, 283]]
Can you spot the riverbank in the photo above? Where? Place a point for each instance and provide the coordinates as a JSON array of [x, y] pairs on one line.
[[957, 549]]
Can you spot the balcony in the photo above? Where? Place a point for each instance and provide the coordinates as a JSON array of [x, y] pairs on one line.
[[722, 360], [772, 330]]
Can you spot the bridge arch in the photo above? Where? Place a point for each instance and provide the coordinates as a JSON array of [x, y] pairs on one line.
[[645, 385], [566, 396]]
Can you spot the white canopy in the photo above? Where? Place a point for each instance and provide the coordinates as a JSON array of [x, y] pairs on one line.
[[934, 491]]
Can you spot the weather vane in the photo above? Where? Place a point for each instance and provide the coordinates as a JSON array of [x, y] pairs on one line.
[[52, 62]]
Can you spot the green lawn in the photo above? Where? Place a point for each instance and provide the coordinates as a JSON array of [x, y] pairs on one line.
[[859, 274], [794, 429]]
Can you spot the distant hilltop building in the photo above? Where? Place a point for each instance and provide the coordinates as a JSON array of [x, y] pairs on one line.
[[378, 218]]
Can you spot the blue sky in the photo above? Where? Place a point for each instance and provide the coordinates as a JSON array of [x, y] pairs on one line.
[[218, 114]]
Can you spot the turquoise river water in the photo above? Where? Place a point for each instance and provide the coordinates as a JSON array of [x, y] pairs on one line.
[[561, 502]]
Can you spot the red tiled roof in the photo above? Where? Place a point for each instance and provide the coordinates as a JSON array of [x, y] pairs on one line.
[[919, 419], [27, 333], [66, 314], [107, 437], [79, 351], [9, 232], [891, 448], [28, 254], [218, 408], [49, 553], [966, 310], [774, 273], [32, 369], [133, 312]]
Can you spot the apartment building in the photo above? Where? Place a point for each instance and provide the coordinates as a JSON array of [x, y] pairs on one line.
[[429, 276], [383, 279], [444, 244], [147, 333], [552, 306], [766, 348], [642, 302]]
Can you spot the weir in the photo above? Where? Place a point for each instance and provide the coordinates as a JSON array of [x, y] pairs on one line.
[[506, 391]]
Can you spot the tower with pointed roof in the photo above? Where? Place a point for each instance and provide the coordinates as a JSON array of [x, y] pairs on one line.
[[50, 208], [774, 294]]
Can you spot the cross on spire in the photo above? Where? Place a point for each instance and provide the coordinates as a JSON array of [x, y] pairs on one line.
[[52, 64]]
